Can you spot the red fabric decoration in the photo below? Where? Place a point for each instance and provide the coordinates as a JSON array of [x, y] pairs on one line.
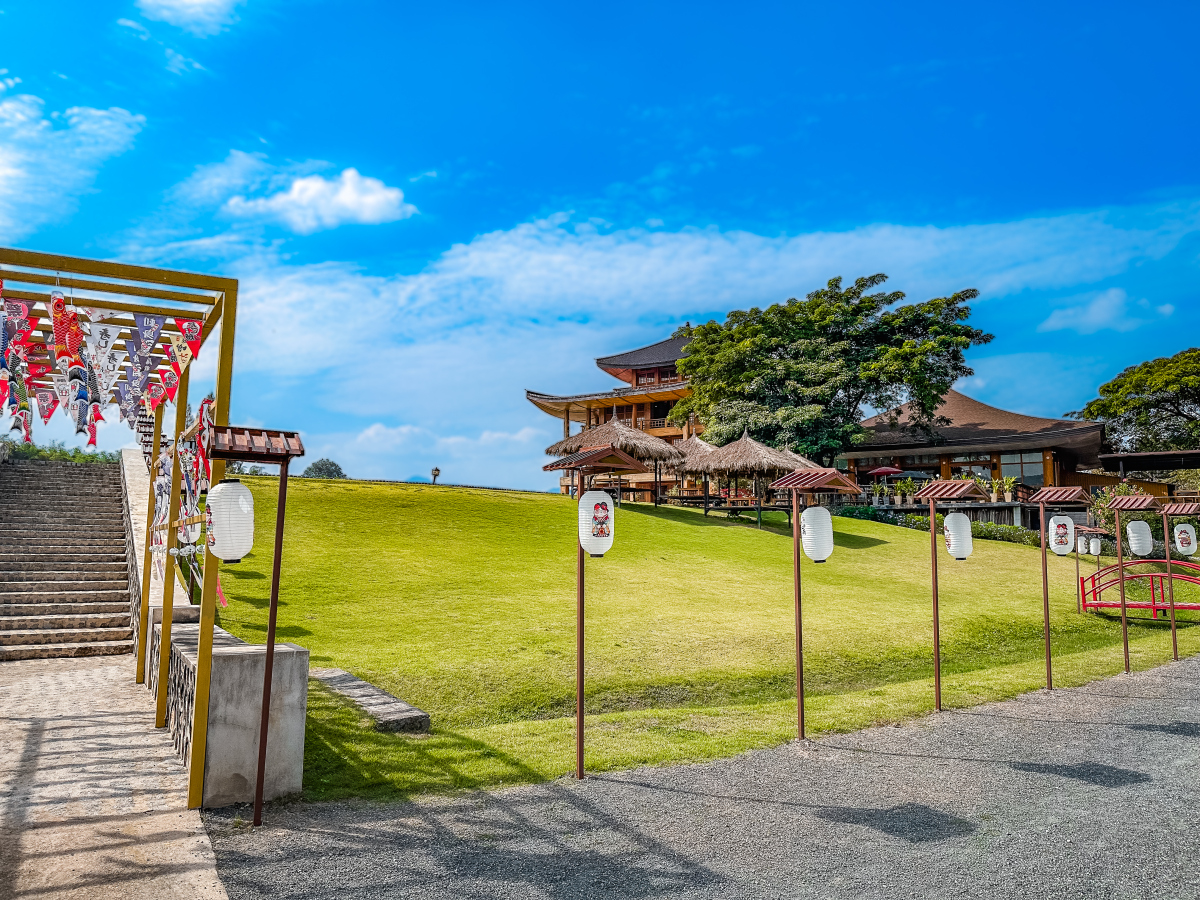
[[193, 331]]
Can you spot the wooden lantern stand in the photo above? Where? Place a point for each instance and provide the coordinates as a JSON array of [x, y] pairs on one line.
[[273, 448], [1056, 496], [585, 463], [806, 481], [932, 493]]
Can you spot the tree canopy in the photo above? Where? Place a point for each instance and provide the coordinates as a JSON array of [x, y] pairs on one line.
[[324, 468], [797, 374], [1152, 406]]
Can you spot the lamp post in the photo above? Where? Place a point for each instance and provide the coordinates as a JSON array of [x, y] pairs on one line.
[[272, 447], [1061, 544], [816, 536], [594, 536], [932, 493], [436, 472], [1127, 503]]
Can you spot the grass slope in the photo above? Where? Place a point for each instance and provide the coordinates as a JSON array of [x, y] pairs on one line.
[[463, 602]]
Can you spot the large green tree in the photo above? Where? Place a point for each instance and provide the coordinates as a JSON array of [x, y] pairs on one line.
[[798, 374], [1152, 406]]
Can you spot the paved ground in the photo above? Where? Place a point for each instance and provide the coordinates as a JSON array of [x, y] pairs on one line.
[[1087, 793], [93, 800]]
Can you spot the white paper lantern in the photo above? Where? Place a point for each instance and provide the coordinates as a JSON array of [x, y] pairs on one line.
[[958, 536], [1060, 534], [1081, 545], [1095, 546], [596, 522], [1185, 539], [229, 516], [1141, 542], [816, 533]]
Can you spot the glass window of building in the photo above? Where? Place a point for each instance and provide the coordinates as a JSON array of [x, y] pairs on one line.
[[1025, 467]]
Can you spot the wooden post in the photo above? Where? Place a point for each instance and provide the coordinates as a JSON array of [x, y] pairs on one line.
[[269, 667], [208, 594], [937, 639], [1170, 587], [147, 558], [164, 643], [1121, 574], [799, 621], [1078, 583], [578, 658], [1045, 597]]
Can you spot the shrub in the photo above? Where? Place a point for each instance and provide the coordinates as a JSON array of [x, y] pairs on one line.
[[324, 468]]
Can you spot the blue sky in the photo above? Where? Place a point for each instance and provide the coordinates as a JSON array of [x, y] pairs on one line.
[[431, 210]]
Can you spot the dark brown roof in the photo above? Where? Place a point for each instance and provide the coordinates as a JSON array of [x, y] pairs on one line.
[[597, 459], [664, 353], [817, 481], [1061, 494], [1134, 503], [975, 426]]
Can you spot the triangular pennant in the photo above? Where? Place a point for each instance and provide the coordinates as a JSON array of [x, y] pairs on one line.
[[62, 390], [155, 393], [146, 330], [47, 403], [179, 354], [95, 314], [38, 369], [170, 382], [192, 331]]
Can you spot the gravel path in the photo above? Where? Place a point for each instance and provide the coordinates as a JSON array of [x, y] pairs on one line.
[[1092, 792]]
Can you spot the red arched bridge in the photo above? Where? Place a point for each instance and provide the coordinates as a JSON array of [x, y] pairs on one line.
[[1092, 587]]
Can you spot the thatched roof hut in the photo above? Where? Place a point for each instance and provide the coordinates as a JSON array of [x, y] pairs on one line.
[[641, 446], [695, 451], [746, 456]]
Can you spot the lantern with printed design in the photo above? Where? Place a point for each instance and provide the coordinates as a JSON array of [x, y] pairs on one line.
[[596, 523], [1061, 535], [1185, 539]]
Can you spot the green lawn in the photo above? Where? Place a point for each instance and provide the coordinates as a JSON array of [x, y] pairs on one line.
[[462, 602]]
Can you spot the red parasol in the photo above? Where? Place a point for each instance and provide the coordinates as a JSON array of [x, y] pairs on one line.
[[886, 470]]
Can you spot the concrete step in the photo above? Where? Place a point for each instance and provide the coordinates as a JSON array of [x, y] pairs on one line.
[[47, 544], [33, 567], [73, 585], [83, 608], [16, 581], [83, 516], [61, 651], [63, 621], [58, 595], [19, 637]]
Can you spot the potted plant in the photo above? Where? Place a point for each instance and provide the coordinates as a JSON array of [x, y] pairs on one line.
[[997, 488], [1010, 482], [905, 490], [878, 492]]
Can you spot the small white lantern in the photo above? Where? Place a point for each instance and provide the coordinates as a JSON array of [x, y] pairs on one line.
[[958, 535], [1081, 545], [596, 523], [229, 516], [1095, 546], [1185, 539], [816, 533], [1141, 542], [1060, 534]]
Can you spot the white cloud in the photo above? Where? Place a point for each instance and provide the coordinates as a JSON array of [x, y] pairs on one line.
[[200, 17], [140, 31], [314, 203], [1106, 311], [178, 63], [46, 162]]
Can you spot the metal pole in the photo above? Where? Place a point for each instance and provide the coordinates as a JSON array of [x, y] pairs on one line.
[[1121, 574], [937, 639], [656, 482], [1045, 598], [168, 605], [266, 700], [799, 625], [578, 659], [143, 624], [1170, 588]]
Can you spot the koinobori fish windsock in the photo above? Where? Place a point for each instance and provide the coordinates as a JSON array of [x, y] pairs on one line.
[[58, 324]]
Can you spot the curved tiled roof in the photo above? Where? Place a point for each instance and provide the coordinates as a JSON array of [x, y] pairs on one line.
[[664, 353]]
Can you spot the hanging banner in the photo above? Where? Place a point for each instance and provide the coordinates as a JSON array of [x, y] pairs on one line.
[[179, 354], [191, 330], [146, 330], [47, 402], [170, 382], [95, 314], [38, 369], [155, 393], [126, 402], [62, 390]]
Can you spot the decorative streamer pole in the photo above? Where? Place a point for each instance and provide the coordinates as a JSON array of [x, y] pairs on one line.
[[1128, 503]]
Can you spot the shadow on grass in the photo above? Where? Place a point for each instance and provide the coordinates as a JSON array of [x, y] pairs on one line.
[[856, 541]]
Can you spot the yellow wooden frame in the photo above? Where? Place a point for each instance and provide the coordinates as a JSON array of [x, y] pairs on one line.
[[162, 292]]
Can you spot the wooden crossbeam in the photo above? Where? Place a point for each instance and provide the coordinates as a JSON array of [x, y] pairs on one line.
[[130, 290]]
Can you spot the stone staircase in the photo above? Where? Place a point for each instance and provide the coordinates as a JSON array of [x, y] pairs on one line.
[[64, 577]]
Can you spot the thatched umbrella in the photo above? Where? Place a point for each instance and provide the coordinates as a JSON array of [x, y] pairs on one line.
[[746, 456], [694, 451], [645, 448]]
